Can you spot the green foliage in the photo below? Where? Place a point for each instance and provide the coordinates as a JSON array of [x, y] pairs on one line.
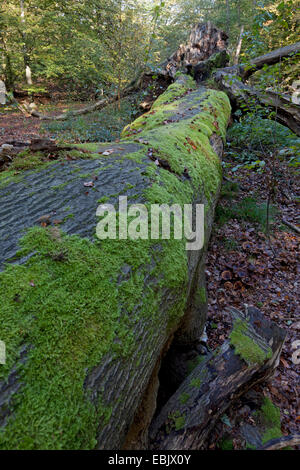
[[85, 46], [253, 135], [100, 126], [254, 132], [247, 209], [269, 419], [229, 189]]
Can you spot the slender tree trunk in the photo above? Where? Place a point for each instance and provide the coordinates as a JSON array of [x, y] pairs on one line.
[[25, 49], [8, 72], [239, 46]]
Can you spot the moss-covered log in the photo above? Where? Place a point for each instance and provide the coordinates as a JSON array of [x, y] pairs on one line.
[[85, 321], [250, 356]]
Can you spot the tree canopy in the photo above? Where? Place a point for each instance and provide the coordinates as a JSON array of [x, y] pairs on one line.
[[88, 46]]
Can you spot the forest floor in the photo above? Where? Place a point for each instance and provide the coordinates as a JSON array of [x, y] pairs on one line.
[[98, 126], [244, 265]]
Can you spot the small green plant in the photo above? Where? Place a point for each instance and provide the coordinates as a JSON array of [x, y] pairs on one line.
[[253, 135], [229, 189], [247, 209], [230, 244]]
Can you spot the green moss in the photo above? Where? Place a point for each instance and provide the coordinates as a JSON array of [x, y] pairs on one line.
[[27, 160], [69, 315], [92, 147], [270, 417], [196, 382], [184, 398], [74, 309], [176, 90], [250, 446], [184, 143], [194, 362], [244, 346], [103, 199], [177, 421]]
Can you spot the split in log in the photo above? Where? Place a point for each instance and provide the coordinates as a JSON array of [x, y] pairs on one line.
[[249, 357], [86, 334]]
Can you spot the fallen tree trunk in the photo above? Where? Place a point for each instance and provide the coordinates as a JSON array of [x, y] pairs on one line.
[[250, 356], [27, 110], [86, 322], [271, 58], [285, 111], [282, 442]]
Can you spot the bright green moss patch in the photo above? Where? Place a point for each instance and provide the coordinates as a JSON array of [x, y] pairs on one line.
[[270, 417], [245, 347], [184, 142], [175, 91], [69, 304], [69, 308], [179, 422]]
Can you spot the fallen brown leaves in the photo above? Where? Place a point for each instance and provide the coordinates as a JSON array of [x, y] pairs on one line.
[[260, 271]]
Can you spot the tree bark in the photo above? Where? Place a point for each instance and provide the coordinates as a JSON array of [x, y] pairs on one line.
[[190, 414], [28, 73], [286, 112], [282, 442], [269, 59], [123, 380], [239, 46]]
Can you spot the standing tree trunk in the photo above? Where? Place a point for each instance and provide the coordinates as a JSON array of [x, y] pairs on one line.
[[28, 73], [239, 46]]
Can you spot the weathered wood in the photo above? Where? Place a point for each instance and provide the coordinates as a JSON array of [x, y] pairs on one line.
[[290, 225], [205, 41], [100, 315], [250, 356], [202, 70], [282, 442], [286, 112], [270, 58]]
